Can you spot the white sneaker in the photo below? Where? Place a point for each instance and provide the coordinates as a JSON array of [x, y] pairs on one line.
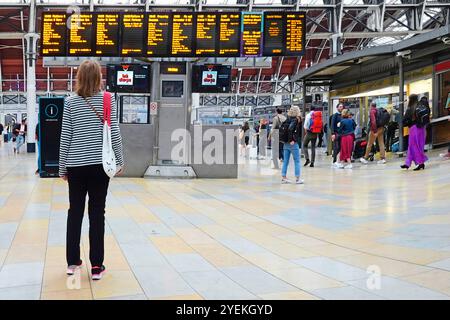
[[285, 181], [339, 165], [364, 161], [382, 161], [300, 181], [349, 166]]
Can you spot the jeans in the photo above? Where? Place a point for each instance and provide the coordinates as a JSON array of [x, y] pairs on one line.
[[310, 137], [295, 151], [91, 180], [38, 156], [20, 141]]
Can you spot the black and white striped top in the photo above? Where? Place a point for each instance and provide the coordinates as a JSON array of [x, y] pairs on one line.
[[82, 133]]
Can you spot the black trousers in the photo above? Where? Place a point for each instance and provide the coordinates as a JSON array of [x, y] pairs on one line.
[[392, 126], [336, 148], [93, 181]]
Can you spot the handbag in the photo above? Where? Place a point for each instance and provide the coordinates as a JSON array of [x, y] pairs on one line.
[[108, 156]]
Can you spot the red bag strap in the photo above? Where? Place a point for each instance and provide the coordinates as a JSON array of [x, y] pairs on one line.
[[107, 107]]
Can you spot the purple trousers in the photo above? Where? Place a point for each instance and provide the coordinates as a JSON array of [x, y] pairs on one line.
[[416, 144]]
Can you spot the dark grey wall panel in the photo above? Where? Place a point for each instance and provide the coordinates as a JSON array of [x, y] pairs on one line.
[[137, 142]]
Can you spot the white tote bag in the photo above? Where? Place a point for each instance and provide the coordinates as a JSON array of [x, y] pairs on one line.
[[108, 156]]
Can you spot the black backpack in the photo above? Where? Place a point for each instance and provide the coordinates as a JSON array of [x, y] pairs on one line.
[[284, 130], [382, 117], [422, 115]]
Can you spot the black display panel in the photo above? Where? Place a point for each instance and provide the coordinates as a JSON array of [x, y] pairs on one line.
[[158, 34], [274, 34], [107, 34], [129, 78], [173, 34], [295, 33], [50, 124], [252, 34], [229, 34], [53, 34], [172, 88], [211, 79], [206, 34], [133, 34], [81, 36], [182, 34]]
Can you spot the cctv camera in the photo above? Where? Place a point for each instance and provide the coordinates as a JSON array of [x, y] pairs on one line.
[[446, 40], [404, 54]]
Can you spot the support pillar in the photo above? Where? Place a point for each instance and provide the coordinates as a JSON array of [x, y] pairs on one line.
[[401, 92], [304, 98], [31, 39]]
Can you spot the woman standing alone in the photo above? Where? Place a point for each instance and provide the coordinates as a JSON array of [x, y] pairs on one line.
[[416, 140], [80, 163]]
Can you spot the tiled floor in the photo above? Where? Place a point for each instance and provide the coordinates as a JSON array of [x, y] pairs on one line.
[[249, 238]]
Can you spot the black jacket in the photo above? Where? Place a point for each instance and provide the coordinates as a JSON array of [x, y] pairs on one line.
[[295, 130]]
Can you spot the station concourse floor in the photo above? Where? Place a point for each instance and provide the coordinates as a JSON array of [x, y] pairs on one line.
[[246, 238]]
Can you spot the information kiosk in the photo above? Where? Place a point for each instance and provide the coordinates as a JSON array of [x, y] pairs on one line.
[[50, 123]]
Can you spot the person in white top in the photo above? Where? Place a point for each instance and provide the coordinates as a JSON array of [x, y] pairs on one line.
[[309, 137]]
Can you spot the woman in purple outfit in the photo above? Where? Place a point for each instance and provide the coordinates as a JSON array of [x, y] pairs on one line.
[[417, 134]]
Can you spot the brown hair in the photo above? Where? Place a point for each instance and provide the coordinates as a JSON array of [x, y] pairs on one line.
[[89, 78]]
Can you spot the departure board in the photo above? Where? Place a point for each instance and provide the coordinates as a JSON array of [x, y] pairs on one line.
[[182, 34], [251, 40], [206, 34], [80, 34], [133, 34], [107, 34], [295, 33], [273, 34], [53, 34], [173, 34], [229, 34], [158, 32]]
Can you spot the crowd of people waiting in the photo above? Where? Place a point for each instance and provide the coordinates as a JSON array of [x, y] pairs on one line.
[[290, 134]]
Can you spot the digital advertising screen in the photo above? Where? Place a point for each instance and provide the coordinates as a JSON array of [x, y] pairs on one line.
[[211, 78], [129, 78]]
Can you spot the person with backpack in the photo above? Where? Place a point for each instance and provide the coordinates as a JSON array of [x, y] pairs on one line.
[[378, 119], [275, 137], [290, 135], [417, 116], [335, 138], [313, 127]]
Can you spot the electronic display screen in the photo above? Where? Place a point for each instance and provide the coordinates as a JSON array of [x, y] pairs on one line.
[[251, 40], [133, 34], [295, 33], [131, 78], [81, 36], [182, 34], [53, 34], [173, 34], [172, 88], [107, 34], [206, 34], [211, 79], [229, 34], [273, 33], [158, 32]]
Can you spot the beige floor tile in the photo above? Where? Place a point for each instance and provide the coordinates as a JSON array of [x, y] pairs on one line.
[[56, 256], [305, 279], [32, 237], [414, 255], [269, 261], [26, 253], [56, 279], [115, 284], [168, 245], [438, 280], [295, 295], [332, 251], [3, 253], [182, 297], [433, 219], [82, 294], [219, 255], [194, 236], [388, 266]]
